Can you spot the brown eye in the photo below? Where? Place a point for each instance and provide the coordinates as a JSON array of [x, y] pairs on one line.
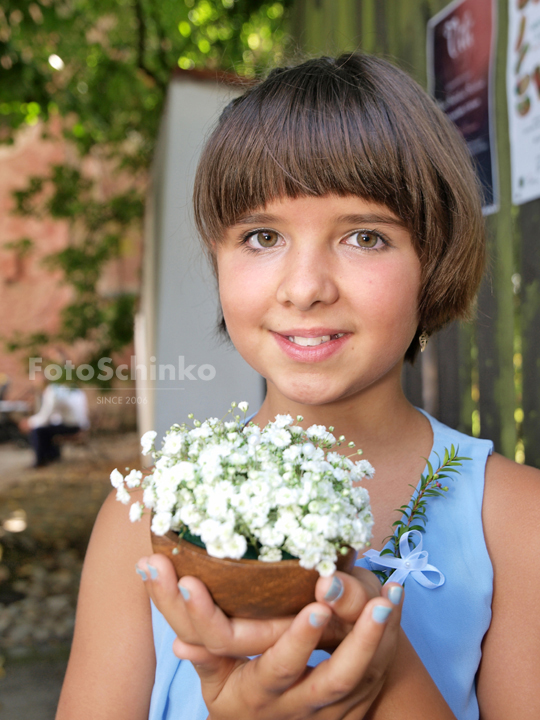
[[263, 238], [368, 239]]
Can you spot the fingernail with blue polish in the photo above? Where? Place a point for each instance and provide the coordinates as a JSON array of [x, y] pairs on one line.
[[380, 613], [153, 571], [394, 594], [185, 592], [335, 591], [140, 572], [316, 620]]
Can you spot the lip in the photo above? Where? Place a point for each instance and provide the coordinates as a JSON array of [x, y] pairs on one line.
[[311, 354], [311, 332]]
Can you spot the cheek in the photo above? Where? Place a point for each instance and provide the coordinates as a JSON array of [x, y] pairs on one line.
[[393, 297], [242, 295]]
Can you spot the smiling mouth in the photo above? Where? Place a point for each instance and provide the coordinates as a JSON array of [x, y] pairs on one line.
[[313, 341]]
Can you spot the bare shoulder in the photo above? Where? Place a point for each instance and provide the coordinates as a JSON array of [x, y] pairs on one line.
[[507, 679], [112, 663], [511, 496]]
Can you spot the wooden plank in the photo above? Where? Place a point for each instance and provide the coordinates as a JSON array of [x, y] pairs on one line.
[[467, 367], [529, 221], [488, 363], [503, 255], [448, 357]]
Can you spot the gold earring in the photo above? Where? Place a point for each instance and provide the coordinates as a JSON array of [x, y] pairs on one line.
[[423, 341]]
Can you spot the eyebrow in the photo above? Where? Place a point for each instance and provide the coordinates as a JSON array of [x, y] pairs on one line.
[[354, 219]]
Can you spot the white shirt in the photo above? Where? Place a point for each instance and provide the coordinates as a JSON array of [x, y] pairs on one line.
[[62, 405]]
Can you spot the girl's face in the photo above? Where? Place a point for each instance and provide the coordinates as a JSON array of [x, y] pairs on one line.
[[320, 295]]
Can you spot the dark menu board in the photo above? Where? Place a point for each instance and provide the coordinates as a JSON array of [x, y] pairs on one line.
[[461, 54]]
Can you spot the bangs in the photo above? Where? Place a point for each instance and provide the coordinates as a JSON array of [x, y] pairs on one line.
[[306, 130]]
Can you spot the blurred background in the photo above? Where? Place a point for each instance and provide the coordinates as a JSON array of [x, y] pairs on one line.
[[108, 308]]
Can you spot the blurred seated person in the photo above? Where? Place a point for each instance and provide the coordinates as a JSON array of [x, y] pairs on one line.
[[4, 385], [64, 411]]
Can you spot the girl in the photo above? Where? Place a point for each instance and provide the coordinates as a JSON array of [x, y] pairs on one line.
[[341, 214]]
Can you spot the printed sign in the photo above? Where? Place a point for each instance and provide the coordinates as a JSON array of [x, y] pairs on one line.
[[523, 93], [461, 54]]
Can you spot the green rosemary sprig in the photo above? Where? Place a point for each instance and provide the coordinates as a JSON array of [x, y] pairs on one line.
[[413, 516]]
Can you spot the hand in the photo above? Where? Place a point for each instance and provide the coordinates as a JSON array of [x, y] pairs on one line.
[[238, 637], [278, 684], [23, 425]]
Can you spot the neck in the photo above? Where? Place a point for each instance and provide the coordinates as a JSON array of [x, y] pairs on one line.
[[375, 419]]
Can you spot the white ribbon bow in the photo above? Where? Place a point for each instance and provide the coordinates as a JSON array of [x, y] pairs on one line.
[[413, 562]]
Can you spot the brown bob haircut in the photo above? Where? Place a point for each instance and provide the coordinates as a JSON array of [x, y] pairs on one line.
[[356, 125]]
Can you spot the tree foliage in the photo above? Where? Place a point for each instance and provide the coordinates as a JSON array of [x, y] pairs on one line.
[[103, 66]]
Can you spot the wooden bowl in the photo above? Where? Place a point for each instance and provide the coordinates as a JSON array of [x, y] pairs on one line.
[[247, 588]]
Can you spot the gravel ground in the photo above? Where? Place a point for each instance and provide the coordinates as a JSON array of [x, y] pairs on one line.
[[40, 566]]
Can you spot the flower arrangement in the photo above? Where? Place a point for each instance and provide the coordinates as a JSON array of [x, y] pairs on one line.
[[281, 491]]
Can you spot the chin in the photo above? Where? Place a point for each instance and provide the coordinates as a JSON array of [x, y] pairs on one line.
[[309, 394]]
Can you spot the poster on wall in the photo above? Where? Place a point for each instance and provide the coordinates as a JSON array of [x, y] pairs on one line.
[[461, 47], [523, 93]]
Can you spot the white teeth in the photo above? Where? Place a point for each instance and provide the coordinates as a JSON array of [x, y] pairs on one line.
[[313, 342]]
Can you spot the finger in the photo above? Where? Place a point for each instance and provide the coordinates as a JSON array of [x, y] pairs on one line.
[[196, 654], [346, 594], [212, 670], [352, 664], [161, 582], [393, 592], [282, 664], [221, 635]]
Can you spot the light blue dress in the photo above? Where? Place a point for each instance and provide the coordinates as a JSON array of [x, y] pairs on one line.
[[446, 625]]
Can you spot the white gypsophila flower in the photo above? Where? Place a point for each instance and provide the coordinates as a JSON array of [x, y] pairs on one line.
[[282, 421], [149, 497], [136, 512], [243, 406], [296, 430], [360, 497], [320, 433], [286, 522], [238, 458], [270, 554], [165, 501], [334, 458], [340, 474], [162, 463], [236, 546], [292, 453], [286, 496], [366, 468], [147, 442], [191, 516], [173, 444], [218, 505], [308, 449], [161, 523], [270, 537], [251, 429], [213, 531], [123, 495], [205, 431], [316, 432], [309, 559], [117, 479], [326, 567], [133, 479]]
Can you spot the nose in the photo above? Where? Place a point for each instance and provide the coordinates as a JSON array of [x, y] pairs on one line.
[[308, 278]]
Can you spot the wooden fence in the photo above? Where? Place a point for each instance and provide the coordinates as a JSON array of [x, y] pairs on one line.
[[482, 378]]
